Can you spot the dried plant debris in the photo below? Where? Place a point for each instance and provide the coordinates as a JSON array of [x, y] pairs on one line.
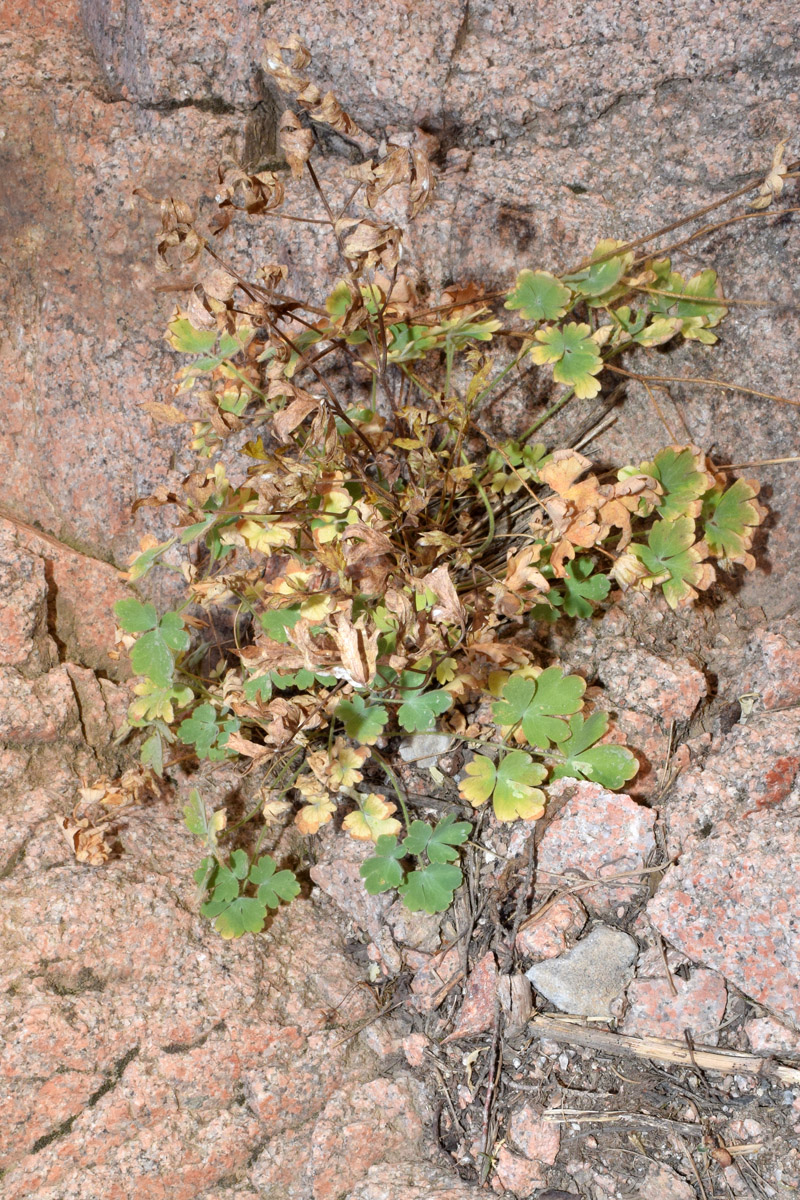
[[386, 556]]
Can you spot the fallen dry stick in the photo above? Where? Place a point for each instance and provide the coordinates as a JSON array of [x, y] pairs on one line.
[[561, 1029]]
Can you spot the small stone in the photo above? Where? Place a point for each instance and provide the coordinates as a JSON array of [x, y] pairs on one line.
[[590, 977], [422, 750], [477, 1011], [533, 1136], [668, 691], [554, 932], [660, 1182], [518, 1175], [768, 1036], [435, 977], [414, 1047], [654, 1010]]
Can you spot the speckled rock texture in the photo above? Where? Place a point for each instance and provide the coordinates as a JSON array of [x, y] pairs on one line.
[[732, 902], [595, 834], [554, 127], [662, 1003], [143, 1057]]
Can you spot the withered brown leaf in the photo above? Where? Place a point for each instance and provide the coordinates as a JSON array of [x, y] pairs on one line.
[[295, 141], [262, 191]]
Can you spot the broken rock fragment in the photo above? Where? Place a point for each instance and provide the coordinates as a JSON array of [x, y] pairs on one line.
[[589, 978]]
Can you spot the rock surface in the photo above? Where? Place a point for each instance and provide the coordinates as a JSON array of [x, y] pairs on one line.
[[666, 1006], [554, 932], [100, 99], [143, 1055], [587, 980], [596, 834], [732, 903]]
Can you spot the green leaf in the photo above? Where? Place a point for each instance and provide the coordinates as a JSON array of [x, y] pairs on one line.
[[363, 723], [516, 795], [152, 754], [600, 277], [240, 864], [153, 702], [276, 621], [273, 885], [730, 520], [460, 331], [382, 871], [152, 653], [683, 476], [258, 687], [539, 296], [195, 816], [674, 561], [206, 873], [632, 324], [574, 354], [206, 733], [698, 310], [438, 843], [151, 656], [301, 679], [339, 301], [172, 631], [666, 280], [198, 822], [141, 565], [135, 617], [582, 590], [610, 766], [410, 342], [183, 336], [430, 889], [539, 704], [419, 711], [233, 918], [698, 317]]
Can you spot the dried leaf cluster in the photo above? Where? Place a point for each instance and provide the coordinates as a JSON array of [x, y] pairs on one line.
[[364, 544]]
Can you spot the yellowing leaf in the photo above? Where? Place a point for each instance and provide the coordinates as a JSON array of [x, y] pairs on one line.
[[345, 763], [372, 819], [479, 784], [316, 608], [515, 793], [513, 782], [313, 816], [266, 536], [274, 807]]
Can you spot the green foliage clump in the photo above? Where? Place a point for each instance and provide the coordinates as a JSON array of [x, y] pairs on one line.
[[362, 551]]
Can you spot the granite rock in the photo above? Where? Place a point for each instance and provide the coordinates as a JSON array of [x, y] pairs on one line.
[[595, 834], [732, 903]]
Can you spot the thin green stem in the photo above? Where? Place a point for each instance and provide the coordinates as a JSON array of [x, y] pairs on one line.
[[398, 791], [487, 541]]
